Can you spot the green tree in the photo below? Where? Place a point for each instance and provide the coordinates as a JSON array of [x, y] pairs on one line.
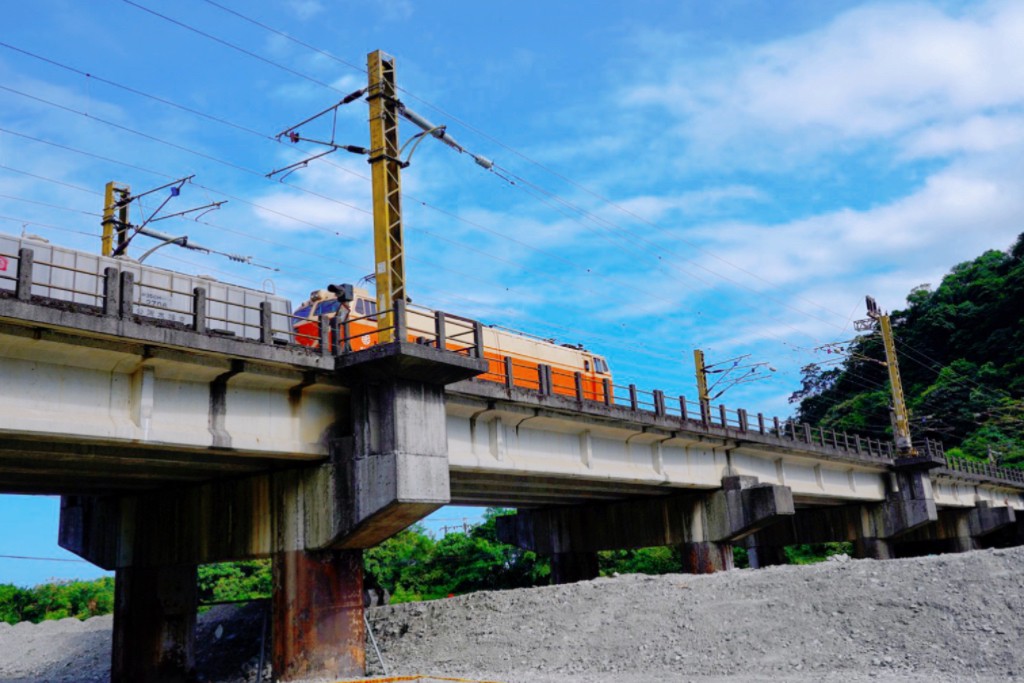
[[961, 355], [659, 560], [226, 581]]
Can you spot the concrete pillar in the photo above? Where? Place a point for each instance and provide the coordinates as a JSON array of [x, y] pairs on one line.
[[763, 554], [572, 567], [1010, 536], [868, 548], [154, 625], [957, 530], [318, 615]]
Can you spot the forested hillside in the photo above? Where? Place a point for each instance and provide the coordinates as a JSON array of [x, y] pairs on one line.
[[961, 357]]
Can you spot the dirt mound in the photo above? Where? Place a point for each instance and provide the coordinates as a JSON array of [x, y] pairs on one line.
[[945, 618]]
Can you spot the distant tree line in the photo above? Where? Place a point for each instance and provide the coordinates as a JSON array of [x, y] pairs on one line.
[[80, 599], [411, 566]]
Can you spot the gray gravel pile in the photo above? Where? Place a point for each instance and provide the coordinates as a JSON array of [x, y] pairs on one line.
[[945, 618], [951, 617]]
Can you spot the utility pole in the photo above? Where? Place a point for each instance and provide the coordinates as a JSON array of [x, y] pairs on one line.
[[115, 216], [900, 417], [389, 257], [702, 385]]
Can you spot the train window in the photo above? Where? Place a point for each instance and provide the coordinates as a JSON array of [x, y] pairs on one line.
[[586, 366], [366, 308], [600, 366], [328, 307]]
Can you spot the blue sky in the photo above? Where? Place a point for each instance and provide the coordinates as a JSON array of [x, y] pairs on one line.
[[732, 176]]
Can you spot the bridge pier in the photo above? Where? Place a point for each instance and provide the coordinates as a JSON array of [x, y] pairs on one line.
[[703, 525], [571, 567], [957, 530], [386, 467], [761, 555], [873, 528], [1010, 536], [318, 615]]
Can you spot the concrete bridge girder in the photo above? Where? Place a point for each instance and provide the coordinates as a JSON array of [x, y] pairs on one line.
[[487, 437], [963, 494], [155, 397]]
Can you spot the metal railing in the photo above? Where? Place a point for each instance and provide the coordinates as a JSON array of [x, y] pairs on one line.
[[549, 381], [983, 469], [117, 293]]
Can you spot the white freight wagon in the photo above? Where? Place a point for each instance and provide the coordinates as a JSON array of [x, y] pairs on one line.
[[76, 276]]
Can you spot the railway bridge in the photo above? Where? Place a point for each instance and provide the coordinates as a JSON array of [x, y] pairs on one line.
[[174, 442]]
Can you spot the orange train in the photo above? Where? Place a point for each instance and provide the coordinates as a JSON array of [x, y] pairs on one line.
[[526, 352]]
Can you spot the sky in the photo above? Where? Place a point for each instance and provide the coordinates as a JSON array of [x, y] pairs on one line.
[[731, 176]]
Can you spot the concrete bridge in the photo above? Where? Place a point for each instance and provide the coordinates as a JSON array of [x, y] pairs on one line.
[[174, 445]]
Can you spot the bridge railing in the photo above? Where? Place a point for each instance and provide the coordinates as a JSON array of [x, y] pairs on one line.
[[127, 289], [590, 390], [984, 469]]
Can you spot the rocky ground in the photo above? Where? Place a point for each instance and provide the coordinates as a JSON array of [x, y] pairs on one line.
[[943, 618]]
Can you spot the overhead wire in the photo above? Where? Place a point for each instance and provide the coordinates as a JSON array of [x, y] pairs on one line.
[[134, 91], [325, 53], [338, 166], [224, 228], [229, 123], [224, 121], [509, 172]]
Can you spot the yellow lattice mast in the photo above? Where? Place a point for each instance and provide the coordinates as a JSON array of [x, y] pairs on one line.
[[115, 216], [900, 416], [389, 258]]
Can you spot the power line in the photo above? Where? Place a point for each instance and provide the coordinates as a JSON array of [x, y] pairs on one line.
[[134, 91], [238, 48], [183, 148], [108, 159], [41, 559]]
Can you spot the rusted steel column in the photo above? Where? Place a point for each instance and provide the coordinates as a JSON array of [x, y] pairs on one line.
[[318, 615], [706, 557], [154, 625]]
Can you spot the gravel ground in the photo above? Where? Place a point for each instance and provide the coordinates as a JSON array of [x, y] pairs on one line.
[[941, 618]]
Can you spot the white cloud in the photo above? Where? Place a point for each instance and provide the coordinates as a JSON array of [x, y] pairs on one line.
[[976, 134], [306, 9], [875, 71], [956, 214]]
